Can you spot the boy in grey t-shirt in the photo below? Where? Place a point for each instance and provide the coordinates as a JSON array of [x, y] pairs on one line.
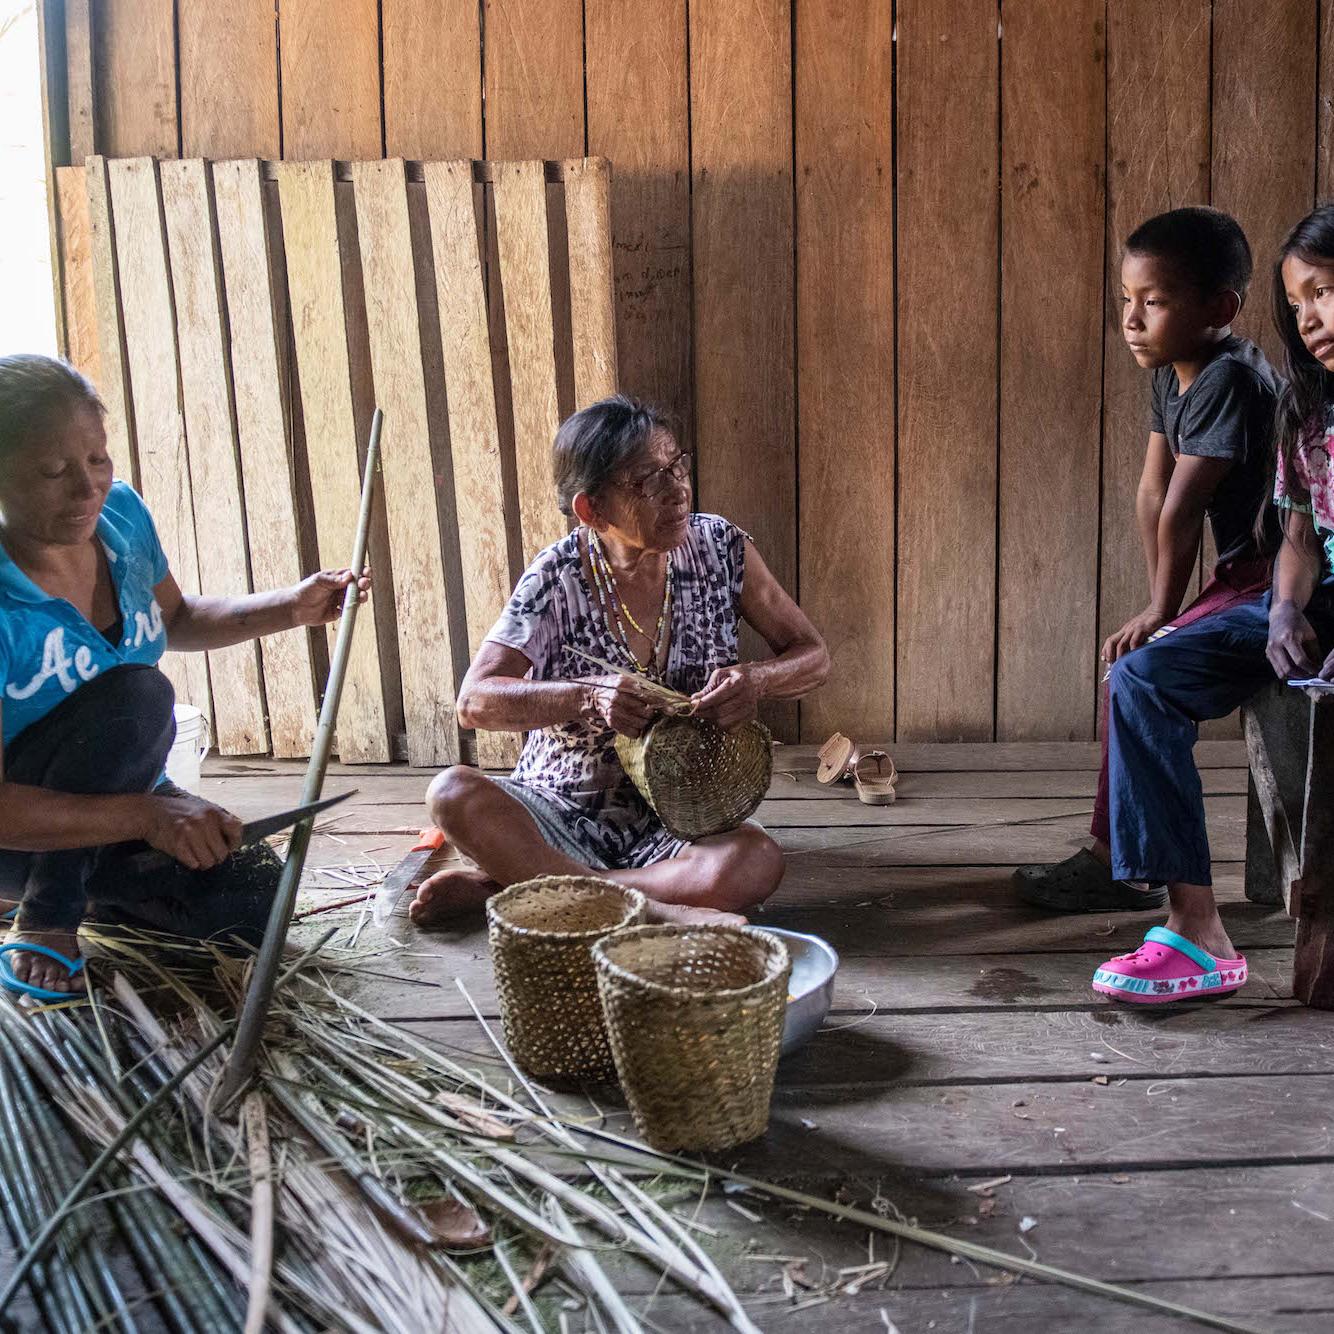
[[1184, 276]]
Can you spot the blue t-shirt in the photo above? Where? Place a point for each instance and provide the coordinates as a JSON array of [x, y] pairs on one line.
[[48, 649]]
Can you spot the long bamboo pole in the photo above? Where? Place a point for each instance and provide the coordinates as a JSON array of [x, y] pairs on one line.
[[255, 1011]]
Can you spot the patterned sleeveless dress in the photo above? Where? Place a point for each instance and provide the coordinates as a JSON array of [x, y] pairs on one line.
[[568, 776]]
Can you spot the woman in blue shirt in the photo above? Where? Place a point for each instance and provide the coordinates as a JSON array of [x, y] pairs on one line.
[[88, 605]]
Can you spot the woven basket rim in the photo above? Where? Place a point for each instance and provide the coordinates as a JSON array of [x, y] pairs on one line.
[[778, 959], [633, 902]]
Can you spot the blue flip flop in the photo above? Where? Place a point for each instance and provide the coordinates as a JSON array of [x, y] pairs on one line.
[[12, 983]]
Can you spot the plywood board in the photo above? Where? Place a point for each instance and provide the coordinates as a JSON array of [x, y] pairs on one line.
[[76, 271], [330, 75], [432, 79], [949, 237], [261, 424], [592, 299], [150, 341], [845, 367], [215, 474], [1053, 141], [534, 78], [425, 654], [525, 278], [228, 65], [134, 58], [315, 281], [79, 80]]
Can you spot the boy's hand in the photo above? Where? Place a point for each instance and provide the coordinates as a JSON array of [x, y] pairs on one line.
[[1293, 645], [1136, 631]]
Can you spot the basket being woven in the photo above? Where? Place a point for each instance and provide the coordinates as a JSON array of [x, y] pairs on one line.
[[695, 1017], [541, 932], [698, 778]]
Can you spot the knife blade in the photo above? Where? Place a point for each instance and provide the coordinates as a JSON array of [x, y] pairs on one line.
[[251, 832], [429, 842]]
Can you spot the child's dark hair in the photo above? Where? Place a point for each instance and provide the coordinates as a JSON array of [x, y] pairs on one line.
[[1205, 246], [595, 441]]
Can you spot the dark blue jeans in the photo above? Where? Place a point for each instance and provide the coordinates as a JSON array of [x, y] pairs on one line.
[[1157, 696], [112, 735]]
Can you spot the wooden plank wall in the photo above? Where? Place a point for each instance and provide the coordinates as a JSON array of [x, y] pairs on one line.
[[866, 253]]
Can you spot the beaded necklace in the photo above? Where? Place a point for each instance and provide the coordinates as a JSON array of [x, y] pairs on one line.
[[617, 613]]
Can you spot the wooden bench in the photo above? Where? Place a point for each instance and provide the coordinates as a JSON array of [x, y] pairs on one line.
[[1290, 825]]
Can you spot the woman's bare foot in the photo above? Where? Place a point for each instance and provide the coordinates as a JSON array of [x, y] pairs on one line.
[[449, 893], [39, 971], [680, 914]]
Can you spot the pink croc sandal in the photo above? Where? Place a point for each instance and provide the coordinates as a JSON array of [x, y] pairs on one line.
[[1167, 967]]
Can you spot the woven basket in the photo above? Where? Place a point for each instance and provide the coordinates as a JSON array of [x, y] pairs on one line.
[[699, 779], [541, 932], [695, 1017]]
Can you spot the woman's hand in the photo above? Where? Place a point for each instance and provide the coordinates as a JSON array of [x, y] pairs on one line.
[[318, 599], [195, 832], [618, 702], [1327, 671], [729, 698], [1292, 646]]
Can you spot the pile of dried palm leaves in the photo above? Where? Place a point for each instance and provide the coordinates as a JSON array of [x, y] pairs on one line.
[[371, 1182]]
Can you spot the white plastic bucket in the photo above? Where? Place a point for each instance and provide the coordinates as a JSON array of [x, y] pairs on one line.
[[188, 751]]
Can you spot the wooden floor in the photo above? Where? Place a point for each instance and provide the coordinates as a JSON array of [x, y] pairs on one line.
[[967, 1078]]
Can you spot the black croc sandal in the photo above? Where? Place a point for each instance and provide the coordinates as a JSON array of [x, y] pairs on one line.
[[1082, 884]]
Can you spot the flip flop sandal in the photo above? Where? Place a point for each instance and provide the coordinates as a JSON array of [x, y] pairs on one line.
[[12, 983], [837, 756], [875, 789], [1168, 967]]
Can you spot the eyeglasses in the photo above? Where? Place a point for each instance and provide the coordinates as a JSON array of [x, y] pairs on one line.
[[654, 484]]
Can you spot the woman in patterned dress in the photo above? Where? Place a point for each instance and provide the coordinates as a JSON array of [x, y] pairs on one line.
[[645, 584]]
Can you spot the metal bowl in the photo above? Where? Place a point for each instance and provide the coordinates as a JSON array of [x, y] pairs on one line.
[[810, 988]]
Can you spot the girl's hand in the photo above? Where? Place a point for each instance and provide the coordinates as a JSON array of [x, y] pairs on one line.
[[618, 702], [194, 831], [318, 599], [1292, 646], [728, 699], [1136, 631]]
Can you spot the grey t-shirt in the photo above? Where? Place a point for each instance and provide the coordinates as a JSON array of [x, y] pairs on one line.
[[1227, 413]]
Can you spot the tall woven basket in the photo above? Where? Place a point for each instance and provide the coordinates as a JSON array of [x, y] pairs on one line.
[[698, 778], [695, 1017], [541, 933]]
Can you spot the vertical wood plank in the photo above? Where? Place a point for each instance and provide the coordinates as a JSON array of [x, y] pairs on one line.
[[114, 382], [150, 342], [1158, 158], [525, 278], [135, 78], [432, 79], [79, 80], [845, 366], [76, 272], [474, 435], [741, 128], [592, 298], [534, 78], [1053, 135], [948, 367], [1264, 132], [330, 78], [425, 651], [639, 117], [244, 243], [1324, 183], [315, 282], [215, 477], [229, 79]]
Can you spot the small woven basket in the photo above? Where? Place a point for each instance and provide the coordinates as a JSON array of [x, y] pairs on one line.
[[541, 933], [698, 778], [695, 1017]]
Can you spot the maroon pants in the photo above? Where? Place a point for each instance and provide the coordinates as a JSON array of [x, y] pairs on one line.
[[1232, 582]]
